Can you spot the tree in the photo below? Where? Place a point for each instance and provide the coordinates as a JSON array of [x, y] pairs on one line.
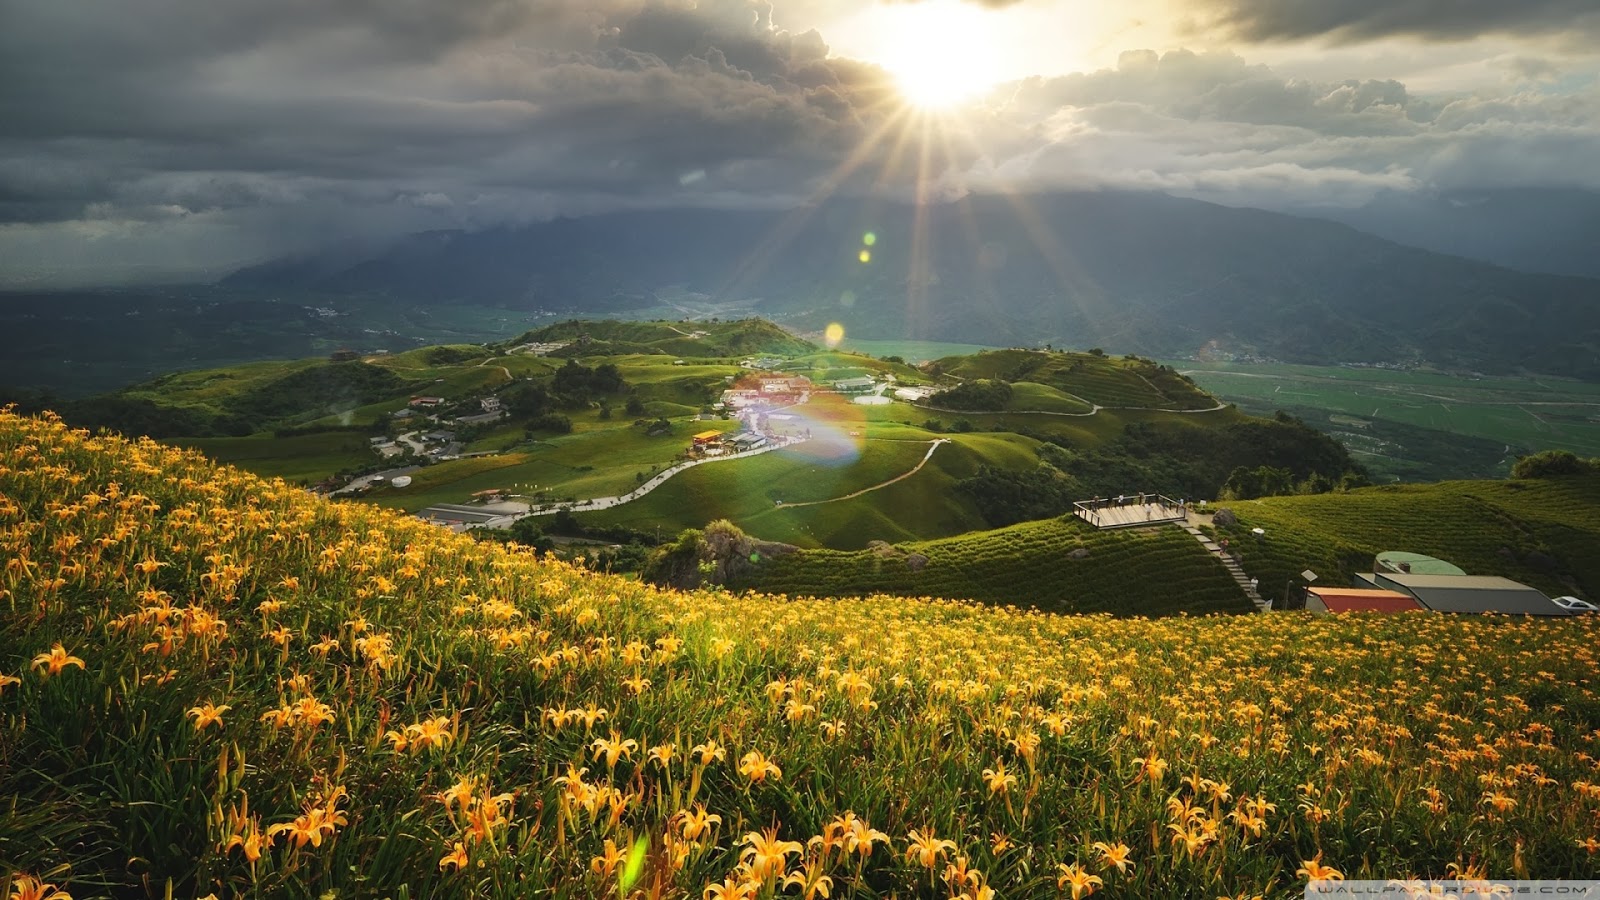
[[634, 407], [1553, 464]]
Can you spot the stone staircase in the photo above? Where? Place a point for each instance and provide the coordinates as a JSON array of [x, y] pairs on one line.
[[1238, 574]]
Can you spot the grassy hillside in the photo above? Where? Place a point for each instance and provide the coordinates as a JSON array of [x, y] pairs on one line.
[[1148, 572], [1544, 532], [761, 494], [1119, 382], [697, 339], [213, 684]]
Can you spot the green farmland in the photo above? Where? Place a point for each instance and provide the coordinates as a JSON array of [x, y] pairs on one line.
[[1414, 425]]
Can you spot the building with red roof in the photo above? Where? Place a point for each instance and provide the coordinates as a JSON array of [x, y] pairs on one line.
[[1344, 600]]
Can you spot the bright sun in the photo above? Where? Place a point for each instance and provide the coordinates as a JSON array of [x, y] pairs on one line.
[[940, 52]]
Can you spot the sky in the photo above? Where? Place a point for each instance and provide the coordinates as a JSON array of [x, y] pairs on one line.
[[182, 138]]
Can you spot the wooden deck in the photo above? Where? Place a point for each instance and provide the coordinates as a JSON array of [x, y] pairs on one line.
[[1128, 515]]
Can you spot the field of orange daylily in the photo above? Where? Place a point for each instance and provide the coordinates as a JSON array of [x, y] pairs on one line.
[[214, 684]]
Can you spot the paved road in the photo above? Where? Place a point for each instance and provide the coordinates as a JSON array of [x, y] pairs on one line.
[[599, 503]]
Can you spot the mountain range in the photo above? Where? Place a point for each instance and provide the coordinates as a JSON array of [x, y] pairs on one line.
[[1130, 272]]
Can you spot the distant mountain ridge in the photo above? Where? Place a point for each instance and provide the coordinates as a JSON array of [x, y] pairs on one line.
[[1132, 272]]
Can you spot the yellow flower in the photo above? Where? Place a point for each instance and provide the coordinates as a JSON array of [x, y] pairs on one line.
[[208, 715], [998, 779], [732, 888], [1075, 878], [26, 887], [709, 752], [1114, 855], [697, 823], [6, 680], [1592, 845], [606, 863], [1314, 870], [55, 660], [765, 857], [1152, 767], [249, 840], [662, 754], [615, 749], [925, 849], [455, 859], [758, 768]]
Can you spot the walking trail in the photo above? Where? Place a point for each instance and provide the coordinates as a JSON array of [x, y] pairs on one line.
[[934, 445]]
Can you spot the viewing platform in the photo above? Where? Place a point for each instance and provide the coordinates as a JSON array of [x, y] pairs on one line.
[[1130, 511]]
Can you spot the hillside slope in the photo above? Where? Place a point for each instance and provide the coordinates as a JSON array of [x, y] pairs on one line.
[[1130, 272], [214, 684], [1543, 531], [1143, 573]]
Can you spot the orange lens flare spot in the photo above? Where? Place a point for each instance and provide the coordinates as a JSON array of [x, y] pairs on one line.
[[833, 334]]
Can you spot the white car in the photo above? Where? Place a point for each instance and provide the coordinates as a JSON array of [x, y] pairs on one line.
[[1575, 606]]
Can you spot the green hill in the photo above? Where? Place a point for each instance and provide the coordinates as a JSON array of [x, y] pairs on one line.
[[740, 337], [1147, 572], [1541, 531], [1116, 382]]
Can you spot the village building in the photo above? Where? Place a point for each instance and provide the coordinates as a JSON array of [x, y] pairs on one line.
[[1469, 594], [490, 404], [854, 385], [1347, 600], [707, 439], [426, 402], [747, 440]]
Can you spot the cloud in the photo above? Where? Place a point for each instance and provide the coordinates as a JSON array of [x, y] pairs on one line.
[[1357, 20], [201, 134], [1212, 126]]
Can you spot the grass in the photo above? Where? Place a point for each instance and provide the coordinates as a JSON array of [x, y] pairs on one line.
[[306, 457], [1543, 532], [592, 462], [1118, 382], [1146, 572], [374, 707], [747, 491], [913, 352], [1027, 396], [1525, 414]]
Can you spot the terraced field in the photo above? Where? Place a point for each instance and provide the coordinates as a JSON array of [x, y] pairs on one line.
[[1543, 532], [1146, 572]]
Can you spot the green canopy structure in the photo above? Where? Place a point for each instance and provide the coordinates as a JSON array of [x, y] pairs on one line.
[[1415, 564]]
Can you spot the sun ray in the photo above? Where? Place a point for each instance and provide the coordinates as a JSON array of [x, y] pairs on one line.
[[753, 263]]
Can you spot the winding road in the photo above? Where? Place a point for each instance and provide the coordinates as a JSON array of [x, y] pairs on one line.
[[599, 503]]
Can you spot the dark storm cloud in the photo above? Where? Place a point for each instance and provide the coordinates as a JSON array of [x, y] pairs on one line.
[[1356, 20], [222, 104], [209, 132]]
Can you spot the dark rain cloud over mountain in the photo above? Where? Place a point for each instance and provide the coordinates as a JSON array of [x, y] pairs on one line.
[[199, 134]]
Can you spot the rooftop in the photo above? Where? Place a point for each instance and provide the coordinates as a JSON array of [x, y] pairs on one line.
[[1343, 600]]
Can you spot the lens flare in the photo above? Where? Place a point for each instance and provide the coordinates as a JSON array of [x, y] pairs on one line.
[[833, 335], [865, 256], [869, 239]]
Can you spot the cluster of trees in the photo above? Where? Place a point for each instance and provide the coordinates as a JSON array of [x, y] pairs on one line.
[[1554, 464], [980, 394]]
